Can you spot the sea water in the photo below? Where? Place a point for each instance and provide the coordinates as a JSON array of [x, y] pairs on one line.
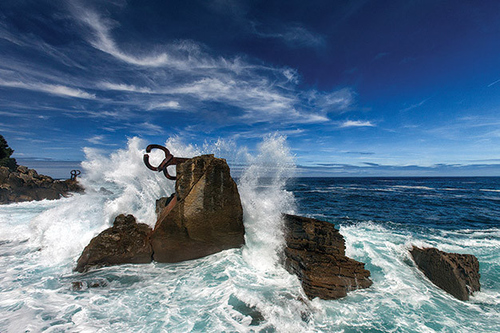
[[246, 290]]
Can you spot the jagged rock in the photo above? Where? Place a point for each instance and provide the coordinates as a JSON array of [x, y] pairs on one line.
[[204, 217], [457, 274], [315, 252], [125, 242], [25, 184]]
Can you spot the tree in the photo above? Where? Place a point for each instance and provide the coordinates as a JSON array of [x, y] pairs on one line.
[[5, 153]]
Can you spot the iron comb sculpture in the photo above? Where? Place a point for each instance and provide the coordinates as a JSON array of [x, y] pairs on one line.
[[167, 161], [74, 174]]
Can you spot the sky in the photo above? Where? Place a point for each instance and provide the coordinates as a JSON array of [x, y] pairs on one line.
[[359, 87]]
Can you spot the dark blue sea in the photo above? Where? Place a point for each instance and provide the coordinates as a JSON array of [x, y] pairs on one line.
[[246, 290]]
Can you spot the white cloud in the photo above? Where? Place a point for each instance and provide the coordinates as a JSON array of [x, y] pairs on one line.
[[96, 139], [103, 41], [54, 89], [124, 87], [337, 101], [356, 123], [172, 105]]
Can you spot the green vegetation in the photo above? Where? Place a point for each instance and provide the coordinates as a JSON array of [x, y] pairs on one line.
[[5, 153]]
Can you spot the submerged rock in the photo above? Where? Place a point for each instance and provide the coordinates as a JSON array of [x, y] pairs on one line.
[[125, 242], [25, 184], [315, 252], [457, 274], [204, 217]]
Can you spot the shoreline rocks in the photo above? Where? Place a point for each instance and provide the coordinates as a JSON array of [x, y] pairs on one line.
[[315, 252], [25, 184], [457, 274]]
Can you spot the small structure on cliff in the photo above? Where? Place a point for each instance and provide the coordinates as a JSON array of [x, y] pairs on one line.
[[315, 252], [457, 274]]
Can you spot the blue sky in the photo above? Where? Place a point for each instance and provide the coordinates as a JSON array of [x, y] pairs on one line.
[[397, 88]]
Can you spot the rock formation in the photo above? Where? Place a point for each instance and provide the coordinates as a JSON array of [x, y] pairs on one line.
[[204, 217], [125, 242], [315, 252], [25, 184], [457, 274]]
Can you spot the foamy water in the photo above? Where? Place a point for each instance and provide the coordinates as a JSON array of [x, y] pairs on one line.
[[238, 290]]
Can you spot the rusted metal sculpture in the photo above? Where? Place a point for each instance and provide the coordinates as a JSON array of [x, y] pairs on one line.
[[75, 173], [168, 160]]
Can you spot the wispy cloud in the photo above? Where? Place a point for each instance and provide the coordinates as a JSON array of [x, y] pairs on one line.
[[493, 83], [124, 87], [168, 105], [381, 55], [356, 123], [414, 106], [54, 89], [96, 139], [294, 35]]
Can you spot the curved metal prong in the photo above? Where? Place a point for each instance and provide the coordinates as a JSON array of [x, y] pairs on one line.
[[168, 160]]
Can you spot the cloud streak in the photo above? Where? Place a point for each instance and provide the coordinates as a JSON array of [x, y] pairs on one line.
[[356, 123], [53, 89]]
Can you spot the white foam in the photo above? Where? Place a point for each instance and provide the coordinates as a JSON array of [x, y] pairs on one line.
[[264, 199]]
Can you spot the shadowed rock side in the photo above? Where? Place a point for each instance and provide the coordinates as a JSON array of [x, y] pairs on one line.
[[26, 185], [315, 252], [204, 217], [457, 274], [126, 242]]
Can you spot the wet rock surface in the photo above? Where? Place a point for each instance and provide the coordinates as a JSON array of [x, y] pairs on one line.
[[125, 242], [315, 252], [204, 217], [25, 184], [457, 274]]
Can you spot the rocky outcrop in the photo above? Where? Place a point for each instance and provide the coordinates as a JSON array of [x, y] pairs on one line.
[[315, 252], [204, 217], [457, 274], [125, 242], [26, 185]]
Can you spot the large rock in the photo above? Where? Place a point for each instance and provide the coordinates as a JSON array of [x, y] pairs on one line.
[[457, 274], [125, 242], [315, 252], [204, 217], [26, 185]]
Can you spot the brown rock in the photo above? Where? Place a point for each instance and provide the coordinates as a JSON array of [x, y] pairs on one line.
[[204, 217], [457, 274], [315, 252], [125, 242]]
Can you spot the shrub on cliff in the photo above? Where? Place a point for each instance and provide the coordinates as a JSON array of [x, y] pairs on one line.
[[5, 153]]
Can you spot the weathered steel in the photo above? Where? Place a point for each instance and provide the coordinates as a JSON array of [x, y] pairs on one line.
[[75, 173], [167, 161]]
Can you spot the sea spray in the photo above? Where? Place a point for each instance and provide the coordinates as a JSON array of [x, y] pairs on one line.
[[124, 171], [114, 184], [264, 199]]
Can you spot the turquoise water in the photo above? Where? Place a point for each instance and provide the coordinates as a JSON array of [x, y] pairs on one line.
[[245, 290]]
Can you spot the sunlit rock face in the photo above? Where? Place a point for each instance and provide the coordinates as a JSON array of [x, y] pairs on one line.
[[204, 217]]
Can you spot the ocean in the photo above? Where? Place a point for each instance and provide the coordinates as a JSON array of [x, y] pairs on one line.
[[246, 290]]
